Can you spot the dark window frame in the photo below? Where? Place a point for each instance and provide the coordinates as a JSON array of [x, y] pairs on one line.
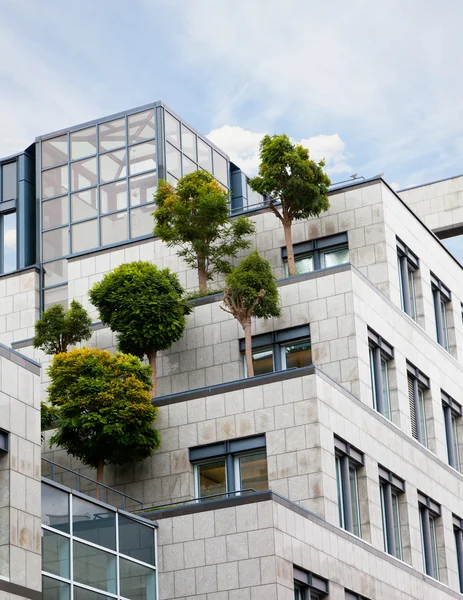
[[419, 382], [353, 596], [380, 350], [311, 586], [441, 296], [316, 248], [452, 409], [391, 484], [458, 532], [408, 262], [349, 457], [429, 509]]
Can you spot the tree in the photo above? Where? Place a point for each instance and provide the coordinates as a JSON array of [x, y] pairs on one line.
[[251, 291], [103, 407], [60, 328], [195, 216], [288, 175], [146, 306]]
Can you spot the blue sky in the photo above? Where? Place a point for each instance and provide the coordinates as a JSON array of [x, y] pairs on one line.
[[375, 87]]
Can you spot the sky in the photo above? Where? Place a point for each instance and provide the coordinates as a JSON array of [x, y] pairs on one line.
[[372, 87]]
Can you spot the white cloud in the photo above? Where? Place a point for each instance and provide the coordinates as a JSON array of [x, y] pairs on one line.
[[10, 238], [242, 146]]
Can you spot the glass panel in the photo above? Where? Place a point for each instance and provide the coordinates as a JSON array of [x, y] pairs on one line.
[[142, 157], [141, 221], [137, 582], [297, 355], [386, 397], [423, 548], [422, 417], [83, 174], [55, 508], [83, 594], [262, 361], [55, 296], [94, 567], [212, 478], [55, 243], [396, 517], [173, 161], [52, 589], [136, 540], [55, 151], [55, 272], [401, 284], [339, 493], [383, 516], [93, 523], [141, 126], [113, 166], [445, 341], [172, 180], [112, 135], [55, 554], [114, 228], [188, 142], [336, 257], [113, 196], [435, 562], [172, 129], [55, 212], [373, 377], [83, 143], [253, 471], [84, 236], [204, 155], [220, 168], [142, 188], [55, 182], [188, 166], [355, 501], [411, 288], [9, 242], [303, 265], [9, 182], [456, 450], [83, 205]]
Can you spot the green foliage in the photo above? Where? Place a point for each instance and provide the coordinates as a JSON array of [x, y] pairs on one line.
[[59, 328], [144, 305], [245, 284], [195, 217], [287, 173], [200, 294], [47, 416], [103, 407]]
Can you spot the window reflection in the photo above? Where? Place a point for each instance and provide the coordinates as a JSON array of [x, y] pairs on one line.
[[212, 478], [55, 553], [253, 472], [83, 143], [336, 257], [9, 182], [55, 243], [93, 523], [172, 129], [204, 155], [188, 166], [220, 168], [262, 361], [113, 196], [136, 540], [52, 589], [54, 151], [55, 272], [137, 582], [142, 157], [83, 174], [94, 567], [141, 126], [298, 355], [83, 205], [188, 142], [141, 221], [55, 296], [114, 228], [84, 236], [113, 166], [142, 188], [55, 212], [112, 135], [9, 242], [173, 161], [55, 508], [55, 182]]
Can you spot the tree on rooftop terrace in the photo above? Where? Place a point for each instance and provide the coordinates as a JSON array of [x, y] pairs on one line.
[[60, 328], [195, 217], [250, 292], [145, 306], [288, 175], [102, 407]]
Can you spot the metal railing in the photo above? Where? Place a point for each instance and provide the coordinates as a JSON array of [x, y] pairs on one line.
[[198, 500], [86, 485]]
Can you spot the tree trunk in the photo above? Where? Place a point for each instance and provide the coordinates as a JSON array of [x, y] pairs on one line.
[[248, 347], [152, 354], [202, 277], [289, 246], [99, 476]]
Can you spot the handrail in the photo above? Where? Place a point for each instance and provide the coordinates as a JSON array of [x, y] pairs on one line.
[[198, 499], [100, 487]]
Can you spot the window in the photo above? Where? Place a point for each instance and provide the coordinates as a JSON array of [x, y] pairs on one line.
[[380, 353], [308, 586], [391, 487], [429, 512], [417, 384], [353, 596], [231, 466], [348, 461], [458, 532], [8, 252], [452, 412], [407, 263], [279, 350], [9, 180], [441, 297], [319, 254]]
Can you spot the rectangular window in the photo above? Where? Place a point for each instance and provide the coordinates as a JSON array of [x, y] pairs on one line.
[[9, 179], [407, 264], [348, 461], [390, 487], [308, 586], [321, 253], [429, 512], [232, 466], [417, 383], [8, 244], [458, 532], [380, 353], [452, 413], [441, 297]]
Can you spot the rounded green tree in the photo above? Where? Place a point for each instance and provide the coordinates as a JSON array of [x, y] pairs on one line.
[[288, 175], [195, 217], [102, 407], [60, 328], [145, 306], [250, 292]]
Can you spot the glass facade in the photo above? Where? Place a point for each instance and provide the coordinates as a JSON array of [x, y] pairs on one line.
[[92, 551], [8, 218]]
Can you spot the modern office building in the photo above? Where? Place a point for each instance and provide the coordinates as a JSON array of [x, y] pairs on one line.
[[335, 472]]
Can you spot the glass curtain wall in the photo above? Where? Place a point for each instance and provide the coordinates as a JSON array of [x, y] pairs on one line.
[[93, 552], [8, 222]]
